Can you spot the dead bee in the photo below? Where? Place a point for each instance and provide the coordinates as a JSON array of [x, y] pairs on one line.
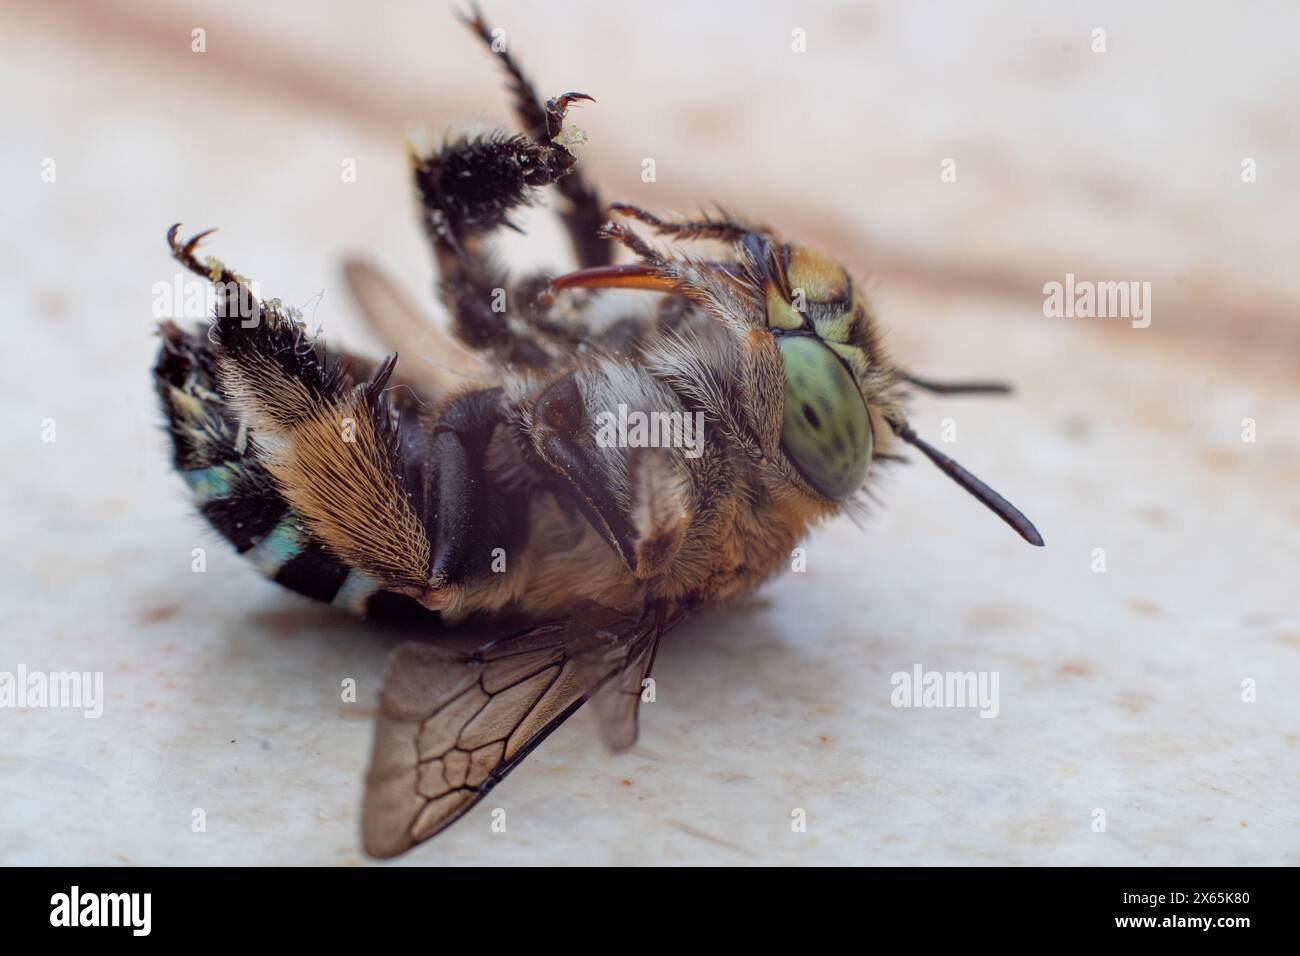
[[497, 508]]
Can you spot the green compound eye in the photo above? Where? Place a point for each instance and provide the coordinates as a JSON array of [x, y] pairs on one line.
[[827, 432]]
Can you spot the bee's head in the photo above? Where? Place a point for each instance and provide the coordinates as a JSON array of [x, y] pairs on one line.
[[836, 378], [839, 386]]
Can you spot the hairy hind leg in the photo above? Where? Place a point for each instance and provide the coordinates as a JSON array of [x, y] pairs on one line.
[[236, 494], [358, 474], [470, 187], [468, 190]]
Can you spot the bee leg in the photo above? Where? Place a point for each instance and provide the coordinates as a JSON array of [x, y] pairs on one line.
[[334, 448], [470, 186], [472, 517], [630, 240], [225, 466], [468, 189], [584, 213], [559, 418], [723, 230], [478, 299]]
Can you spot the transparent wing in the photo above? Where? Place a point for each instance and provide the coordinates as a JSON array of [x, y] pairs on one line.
[[618, 701], [455, 718], [431, 359]]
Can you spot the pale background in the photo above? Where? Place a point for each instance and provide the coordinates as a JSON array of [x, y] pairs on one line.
[[1120, 691]]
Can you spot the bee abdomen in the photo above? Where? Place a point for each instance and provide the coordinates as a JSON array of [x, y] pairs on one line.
[[242, 515]]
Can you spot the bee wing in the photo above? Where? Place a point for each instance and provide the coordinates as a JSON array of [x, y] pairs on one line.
[[618, 701], [455, 718], [433, 361]]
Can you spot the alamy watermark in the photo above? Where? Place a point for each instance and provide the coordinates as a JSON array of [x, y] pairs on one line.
[[636, 429], [1084, 299], [190, 298], [73, 690], [75, 908], [922, 688]]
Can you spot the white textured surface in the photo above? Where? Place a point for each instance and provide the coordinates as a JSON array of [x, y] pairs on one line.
[[1119, 691]]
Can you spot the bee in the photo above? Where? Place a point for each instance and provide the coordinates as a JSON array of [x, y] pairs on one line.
[[474, 494]]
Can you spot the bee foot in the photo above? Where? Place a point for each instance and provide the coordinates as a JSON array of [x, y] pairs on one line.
[[556, 108]]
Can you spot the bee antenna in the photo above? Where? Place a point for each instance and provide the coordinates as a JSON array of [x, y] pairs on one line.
[[957, 388], [982, 492]]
